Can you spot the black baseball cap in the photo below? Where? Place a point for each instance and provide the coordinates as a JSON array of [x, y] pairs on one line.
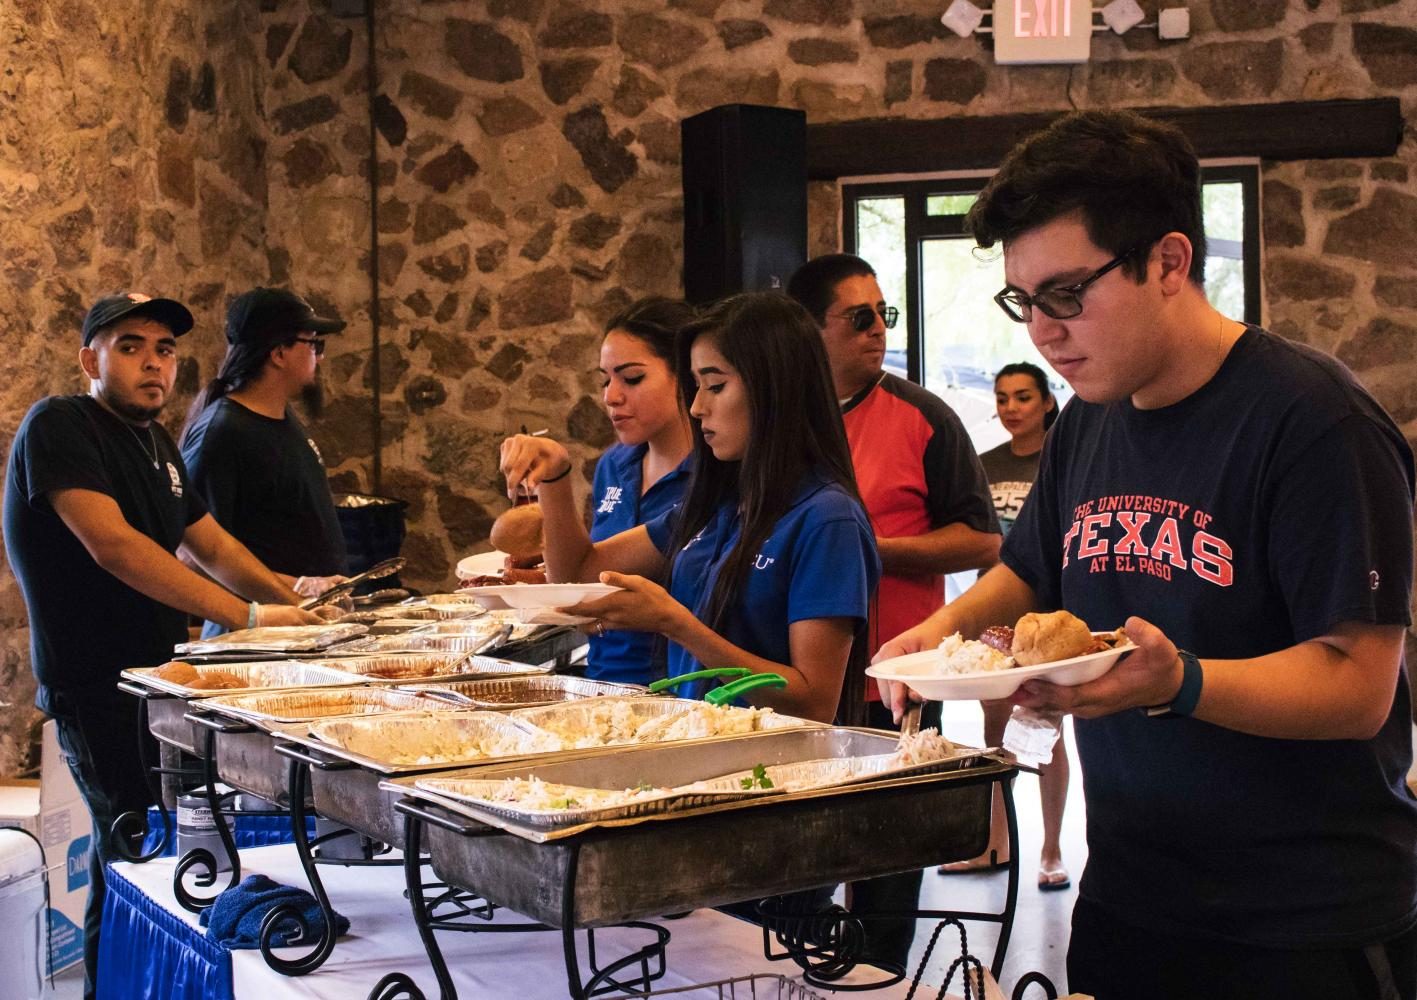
[[111, 308], [272, 316]]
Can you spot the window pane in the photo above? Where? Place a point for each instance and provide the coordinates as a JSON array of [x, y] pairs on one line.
[[1223, 204], [967, 336], [880, 241], [1225, 285], [949, 204]]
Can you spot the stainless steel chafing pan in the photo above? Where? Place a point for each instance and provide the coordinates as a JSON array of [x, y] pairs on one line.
[[528, 691], [349, 757], [168, 703], [644, 866]]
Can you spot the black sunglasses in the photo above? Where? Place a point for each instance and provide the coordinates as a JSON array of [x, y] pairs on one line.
[[317, 344], [864, 317], [1058, 303]]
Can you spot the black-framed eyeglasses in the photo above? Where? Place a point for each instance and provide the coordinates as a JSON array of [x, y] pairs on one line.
[[1059, 303], [317, 344], [864, 317]]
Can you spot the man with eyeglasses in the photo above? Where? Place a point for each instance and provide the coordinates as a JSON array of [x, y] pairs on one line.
[[251, 458], [1244, 508], [926, 493]]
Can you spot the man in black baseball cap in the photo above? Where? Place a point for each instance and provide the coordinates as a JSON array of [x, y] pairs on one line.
[[97, 503], [250, 456], [111, 308]]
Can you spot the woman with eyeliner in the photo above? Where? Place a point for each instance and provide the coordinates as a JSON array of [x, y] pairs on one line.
[[770, 561], [645, 474], [1027, 409]]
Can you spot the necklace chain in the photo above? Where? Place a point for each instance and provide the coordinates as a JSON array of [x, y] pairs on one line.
[[151, 445]]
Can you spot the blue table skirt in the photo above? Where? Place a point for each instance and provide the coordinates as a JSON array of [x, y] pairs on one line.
[[146, 952], [249, 831]]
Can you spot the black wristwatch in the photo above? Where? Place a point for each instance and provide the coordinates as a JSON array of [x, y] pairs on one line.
[[1187, 696]]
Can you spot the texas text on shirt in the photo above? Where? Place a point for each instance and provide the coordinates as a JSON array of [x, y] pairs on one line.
[[1257, 513]]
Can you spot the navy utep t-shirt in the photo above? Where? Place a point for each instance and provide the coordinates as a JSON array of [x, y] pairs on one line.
[[1259, 512], [621, 655], [85, 624], [819, 561]]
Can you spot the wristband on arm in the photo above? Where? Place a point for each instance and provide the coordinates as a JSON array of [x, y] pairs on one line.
[[253, 615], [557, 478]]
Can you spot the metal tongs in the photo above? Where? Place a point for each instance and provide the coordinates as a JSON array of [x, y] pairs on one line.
[[745, 681], [910, 721], [379, 570]]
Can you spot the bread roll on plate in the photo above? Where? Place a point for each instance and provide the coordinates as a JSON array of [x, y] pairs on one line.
[[518, 533]]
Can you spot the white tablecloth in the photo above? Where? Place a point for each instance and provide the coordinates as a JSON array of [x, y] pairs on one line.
[[705, 946]]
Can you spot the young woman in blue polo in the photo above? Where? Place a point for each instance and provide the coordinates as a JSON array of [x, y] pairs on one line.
[[644, 475], [770, 559]]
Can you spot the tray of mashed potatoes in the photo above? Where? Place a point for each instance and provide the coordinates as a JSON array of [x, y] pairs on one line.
[[1057, 647], [600, 722]]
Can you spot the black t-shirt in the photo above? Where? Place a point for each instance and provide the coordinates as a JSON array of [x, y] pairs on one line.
[[85, 623], [1259, 512], [265, 483]]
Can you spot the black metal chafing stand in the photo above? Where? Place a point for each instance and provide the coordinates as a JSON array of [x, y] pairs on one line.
[[825, 948], [554, 643]]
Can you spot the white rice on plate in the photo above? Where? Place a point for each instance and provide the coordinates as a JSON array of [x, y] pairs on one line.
[[959, 655]]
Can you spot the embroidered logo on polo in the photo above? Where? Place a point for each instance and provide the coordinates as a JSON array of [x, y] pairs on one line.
[[611, 500], [762, 561], [1130, 533], [173, 475]]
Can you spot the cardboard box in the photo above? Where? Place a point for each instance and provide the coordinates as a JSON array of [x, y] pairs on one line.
[[52, 809]]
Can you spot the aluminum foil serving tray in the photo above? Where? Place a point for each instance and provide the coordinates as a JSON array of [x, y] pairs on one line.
[[508, 693], [302, 704], [706, 776], [275, 639], [596, 874], [167, 714], [656, 714], [254, 676], [397, 668]]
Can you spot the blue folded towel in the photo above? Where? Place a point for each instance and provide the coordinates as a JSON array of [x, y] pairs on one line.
[[234, 919]]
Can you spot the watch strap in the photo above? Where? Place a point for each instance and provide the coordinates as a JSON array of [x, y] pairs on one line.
[[1188, 696]]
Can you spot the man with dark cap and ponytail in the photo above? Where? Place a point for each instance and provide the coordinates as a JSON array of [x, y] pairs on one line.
[[250, 457]]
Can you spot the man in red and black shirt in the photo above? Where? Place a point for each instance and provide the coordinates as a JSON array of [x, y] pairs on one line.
[[922, 484]]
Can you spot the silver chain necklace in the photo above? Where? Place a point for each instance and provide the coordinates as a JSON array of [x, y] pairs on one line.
[[152, 442]]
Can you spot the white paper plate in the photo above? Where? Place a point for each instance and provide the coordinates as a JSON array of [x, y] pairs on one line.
[[482, 564], [919, 672], [538, 595]]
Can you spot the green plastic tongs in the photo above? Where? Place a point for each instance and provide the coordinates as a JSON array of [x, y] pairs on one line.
[[745, 681]]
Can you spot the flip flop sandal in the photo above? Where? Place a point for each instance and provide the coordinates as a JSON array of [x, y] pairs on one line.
[[1048, 880], [982, 868]]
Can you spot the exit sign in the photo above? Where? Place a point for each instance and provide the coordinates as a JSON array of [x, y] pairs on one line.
[[1042, 31]]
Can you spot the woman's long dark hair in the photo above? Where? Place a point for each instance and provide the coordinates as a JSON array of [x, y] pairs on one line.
[[795, 428], [657, 320], [1039, 379]]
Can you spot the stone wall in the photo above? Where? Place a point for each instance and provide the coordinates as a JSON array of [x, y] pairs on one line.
[[529, 187], [131, 156]]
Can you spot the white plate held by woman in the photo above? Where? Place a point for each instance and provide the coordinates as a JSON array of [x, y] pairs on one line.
[[538, 595], [921, 673]]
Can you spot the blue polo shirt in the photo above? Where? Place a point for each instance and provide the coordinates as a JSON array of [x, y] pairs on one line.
[[620, 655], [819, 562]]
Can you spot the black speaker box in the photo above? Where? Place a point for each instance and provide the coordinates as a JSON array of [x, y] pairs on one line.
[[745, 199]]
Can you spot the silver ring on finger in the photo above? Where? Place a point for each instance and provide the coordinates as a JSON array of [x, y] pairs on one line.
[[600, 628]]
